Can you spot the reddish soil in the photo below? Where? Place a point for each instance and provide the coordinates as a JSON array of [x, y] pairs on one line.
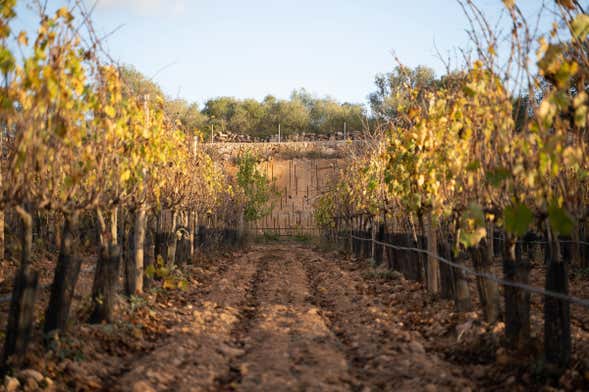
[[287, 317]]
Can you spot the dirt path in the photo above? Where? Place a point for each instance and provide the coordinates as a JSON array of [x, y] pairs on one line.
[[284, 317], [288, 345], [197, 353]]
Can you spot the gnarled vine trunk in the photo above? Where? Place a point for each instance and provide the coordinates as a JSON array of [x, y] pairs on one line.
[[105, 284], [517, 301], [2, 240], [462, 300], [107, 274], [482, 260], [24, 293], [64, 281], [557, 313], [172, 239], [447, 272]]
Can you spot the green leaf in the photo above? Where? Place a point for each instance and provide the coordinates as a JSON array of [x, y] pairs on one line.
[[150, 271], [469, 91], [163, 272], [473, 225], [6, 60], [560, 220], [475, 212], [517, 218], [473, 166], [497, 176], [469, 239]]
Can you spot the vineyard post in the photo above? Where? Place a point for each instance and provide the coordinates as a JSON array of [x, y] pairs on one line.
[[192, 224], [354, 234], [2, 217], [350, 232], [359, 235], [114, 232], [373, 227], [381, 238], [137, 259], [433, 265], [421, 240]]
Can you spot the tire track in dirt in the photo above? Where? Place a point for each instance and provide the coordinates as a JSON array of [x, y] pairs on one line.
[[381, 354], [288, 346], [198, 350]]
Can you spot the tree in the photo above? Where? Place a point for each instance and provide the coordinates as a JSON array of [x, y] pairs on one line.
[[138, 84], [391, 90], [255, 186], [186, 115]]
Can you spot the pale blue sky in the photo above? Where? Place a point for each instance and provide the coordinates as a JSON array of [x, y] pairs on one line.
[[251, 48]]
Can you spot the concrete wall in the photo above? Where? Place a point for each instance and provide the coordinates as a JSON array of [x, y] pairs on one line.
[[300, 182], [301, 172]]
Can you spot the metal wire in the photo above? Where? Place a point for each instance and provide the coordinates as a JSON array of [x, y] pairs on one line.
[[543, 242], [536, 290], [8, 297]]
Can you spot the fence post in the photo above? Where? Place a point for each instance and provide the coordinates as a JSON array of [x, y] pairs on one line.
[[372, 238]]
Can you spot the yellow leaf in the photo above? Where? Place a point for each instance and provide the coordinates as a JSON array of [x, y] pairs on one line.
[[580, 99], [581, 116], [572, 156], [509, 3], [125, 175], [64, 13], [110, 111], [569, 4], [23, 39], [169, 284]]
